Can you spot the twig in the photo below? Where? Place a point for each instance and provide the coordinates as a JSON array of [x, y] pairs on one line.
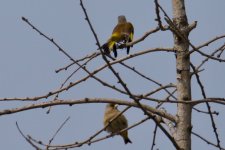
[[207, 141], [93, 55], [206, 112], [57, 95], [208, 42], [154, 136], [158, 18], [57, 131], [85, 78], [147, 78], [206, 59], [161, 88], [166, 99], [221, 51], [50, 39], [207, 104], [26, 138], [78, 144]]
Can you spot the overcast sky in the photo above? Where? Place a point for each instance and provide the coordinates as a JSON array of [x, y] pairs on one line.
[[28, 63]]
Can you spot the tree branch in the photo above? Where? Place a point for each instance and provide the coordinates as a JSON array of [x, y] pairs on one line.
[[207, 141], [208, 106], [85, 101]]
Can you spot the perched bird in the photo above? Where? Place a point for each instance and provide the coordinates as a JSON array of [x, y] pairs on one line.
[[123, 32], [116, 125]]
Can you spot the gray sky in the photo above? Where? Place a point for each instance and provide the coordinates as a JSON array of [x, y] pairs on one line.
[[28, 63]]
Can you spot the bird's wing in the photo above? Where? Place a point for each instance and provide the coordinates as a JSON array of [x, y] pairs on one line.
[[130, 30]]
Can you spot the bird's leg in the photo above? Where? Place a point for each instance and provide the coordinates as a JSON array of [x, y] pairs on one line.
[[114, 50], [127, 40]]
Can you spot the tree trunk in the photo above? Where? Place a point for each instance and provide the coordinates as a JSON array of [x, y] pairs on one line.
[[183, 128]]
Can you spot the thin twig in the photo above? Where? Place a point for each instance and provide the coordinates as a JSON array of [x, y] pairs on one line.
[[206, 59], [208, 106], [57, 131], [221, 51], [26, 138], [208, 42], [206, 112], [93, 55], [207, 141], [154, 136], [67, 79], [167, 99]]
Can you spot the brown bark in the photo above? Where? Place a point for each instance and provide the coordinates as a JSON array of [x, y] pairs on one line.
[[183, 131]]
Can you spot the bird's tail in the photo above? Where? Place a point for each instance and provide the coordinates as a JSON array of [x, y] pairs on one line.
[[125, 137], [110, 46], [127, 140], [105, 47]]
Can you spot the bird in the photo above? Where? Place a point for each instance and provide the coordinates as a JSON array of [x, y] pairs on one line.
[[117, 124], [122, 32]]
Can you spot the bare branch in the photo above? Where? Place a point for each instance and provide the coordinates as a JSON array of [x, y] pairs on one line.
[[207, 141], [159, 89], [158, 18], [221, 51], [208, 42], [166, 99], [88, 76], [67, 79], [85, 101], [61, 126], [50, 39], [154, 137], [212, 54], [91, 56], [206, 112], [208, 106], [179, 33], [78, 144], [26, 138]]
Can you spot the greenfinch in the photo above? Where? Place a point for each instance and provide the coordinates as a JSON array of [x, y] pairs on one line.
[[123, 32], [117, 124]]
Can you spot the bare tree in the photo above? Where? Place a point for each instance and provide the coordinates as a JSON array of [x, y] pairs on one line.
[[177, 128]]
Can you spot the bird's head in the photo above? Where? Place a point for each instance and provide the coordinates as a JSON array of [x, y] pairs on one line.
[[122, 19]]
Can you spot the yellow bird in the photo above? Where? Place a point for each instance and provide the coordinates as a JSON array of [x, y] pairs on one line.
[[123, 32], [117, 124]]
